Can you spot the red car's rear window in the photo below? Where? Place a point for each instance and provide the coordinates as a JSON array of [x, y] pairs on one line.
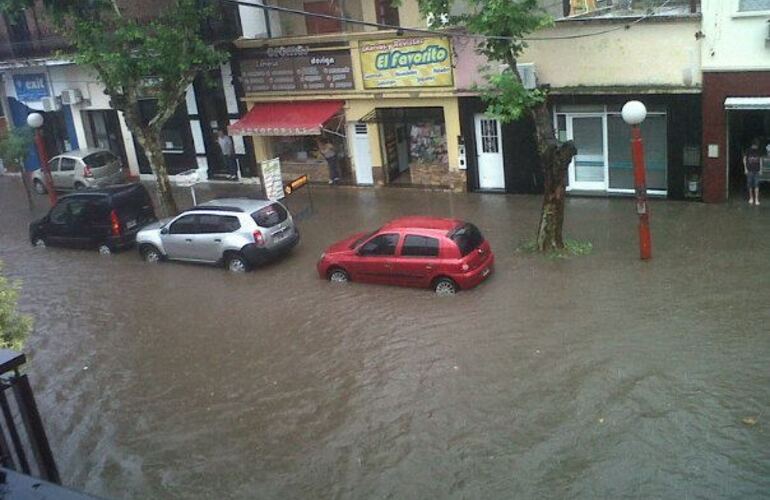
[[467, 237]]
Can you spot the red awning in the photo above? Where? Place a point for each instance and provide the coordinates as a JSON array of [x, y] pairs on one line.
[[286, 118]]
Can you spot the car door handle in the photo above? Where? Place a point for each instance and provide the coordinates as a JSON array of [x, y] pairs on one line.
[[388, 266], [218, 240], [429, 268], [188, 240]]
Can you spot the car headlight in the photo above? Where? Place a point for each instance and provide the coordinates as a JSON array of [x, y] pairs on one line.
[[323, 254]]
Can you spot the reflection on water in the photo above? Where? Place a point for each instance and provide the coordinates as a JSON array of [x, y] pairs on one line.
[[592, 377]]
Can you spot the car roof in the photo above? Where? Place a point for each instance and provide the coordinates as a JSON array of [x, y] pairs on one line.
[[104, 191], [82, 153], [422, 223], [241, 204]]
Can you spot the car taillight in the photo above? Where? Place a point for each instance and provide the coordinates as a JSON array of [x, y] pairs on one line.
[[115, 223], [87, 172], [258, 238]]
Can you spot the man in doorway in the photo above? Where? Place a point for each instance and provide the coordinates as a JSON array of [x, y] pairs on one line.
[[228, 152], [752, 160], [329, 152]]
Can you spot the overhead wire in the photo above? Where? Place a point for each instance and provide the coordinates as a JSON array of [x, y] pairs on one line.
[[434, 32]]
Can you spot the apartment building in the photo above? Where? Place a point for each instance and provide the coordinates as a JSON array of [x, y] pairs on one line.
[[385, 99], [736, 91], [78, 113], [597, 56]]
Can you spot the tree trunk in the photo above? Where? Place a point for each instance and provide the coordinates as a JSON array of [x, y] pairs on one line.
[[25, 181], [150, 139], [555, 158]]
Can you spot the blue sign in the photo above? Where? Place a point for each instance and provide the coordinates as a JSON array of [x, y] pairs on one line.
[[30, 86]]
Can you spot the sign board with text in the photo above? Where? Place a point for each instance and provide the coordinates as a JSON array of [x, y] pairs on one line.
[[406, 62], [273, 181], [280, 69], [31, 86]]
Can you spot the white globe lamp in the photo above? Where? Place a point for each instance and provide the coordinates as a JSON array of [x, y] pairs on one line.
[[35, 120], [634, 112]]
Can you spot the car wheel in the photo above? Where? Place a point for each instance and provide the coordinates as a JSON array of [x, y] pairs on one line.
[[39, 243], [338, 275], [39, 186], [150, 254], [104, 249], [236, 263], [79, 186], [445, 286]]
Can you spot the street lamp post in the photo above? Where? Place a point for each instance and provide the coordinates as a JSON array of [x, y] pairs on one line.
[[634, 114], [35, 121]]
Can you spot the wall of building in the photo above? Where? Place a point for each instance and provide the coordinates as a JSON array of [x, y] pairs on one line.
[[658, 54], [734, 41]]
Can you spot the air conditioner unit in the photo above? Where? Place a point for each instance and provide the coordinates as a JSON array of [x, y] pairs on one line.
[[528, 75], [51, 104], [71, 96]]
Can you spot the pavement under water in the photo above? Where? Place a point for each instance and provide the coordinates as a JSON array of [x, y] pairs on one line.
[[591, 377]]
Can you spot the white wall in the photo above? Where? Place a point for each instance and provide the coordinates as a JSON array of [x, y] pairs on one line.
[[734, 41]]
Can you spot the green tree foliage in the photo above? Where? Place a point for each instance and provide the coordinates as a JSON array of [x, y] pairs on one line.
[[14, 147], [504, 25], [137, 58], [14, 327]]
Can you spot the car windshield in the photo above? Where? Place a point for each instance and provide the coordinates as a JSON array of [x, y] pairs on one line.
[[362, 239], [467, 237]]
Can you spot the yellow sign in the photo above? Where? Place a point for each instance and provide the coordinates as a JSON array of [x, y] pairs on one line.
[[295, 184], [406, 62]]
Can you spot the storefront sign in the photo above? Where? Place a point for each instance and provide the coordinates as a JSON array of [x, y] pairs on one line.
[[271, 176], [31, 86], [297, 68], [406, 62]]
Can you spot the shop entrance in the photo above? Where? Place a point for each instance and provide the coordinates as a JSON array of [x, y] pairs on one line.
[[102, 129], [413, 142], [743, 126]]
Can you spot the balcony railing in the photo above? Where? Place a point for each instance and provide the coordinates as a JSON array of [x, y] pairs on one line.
[[31, 49], [629, 8]]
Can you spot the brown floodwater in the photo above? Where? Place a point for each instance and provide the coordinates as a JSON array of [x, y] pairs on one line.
[[592, 377]]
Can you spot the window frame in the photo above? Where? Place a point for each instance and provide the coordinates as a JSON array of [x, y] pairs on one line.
[[194, 217], [737, 12], [420, 256], [74, 161], [361, 253]]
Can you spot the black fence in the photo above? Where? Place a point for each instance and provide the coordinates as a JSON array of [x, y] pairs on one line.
[[23, 443]]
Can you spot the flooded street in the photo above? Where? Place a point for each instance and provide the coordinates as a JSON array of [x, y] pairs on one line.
[[591, 377]]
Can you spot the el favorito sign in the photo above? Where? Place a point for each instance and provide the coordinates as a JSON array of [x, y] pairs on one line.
[[406, 62]]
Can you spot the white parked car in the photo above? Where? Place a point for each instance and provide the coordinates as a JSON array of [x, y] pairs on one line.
[[80, 169]]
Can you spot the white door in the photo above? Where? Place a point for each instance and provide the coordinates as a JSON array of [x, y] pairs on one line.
[[362, 153], [588, 170], [489, 148]]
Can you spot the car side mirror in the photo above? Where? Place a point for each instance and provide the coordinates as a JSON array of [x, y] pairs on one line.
[[164, 230]]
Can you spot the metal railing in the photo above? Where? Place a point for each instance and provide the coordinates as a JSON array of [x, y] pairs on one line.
[[23, 442]]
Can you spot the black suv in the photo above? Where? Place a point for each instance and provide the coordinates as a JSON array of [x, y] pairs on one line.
[[107, 219]]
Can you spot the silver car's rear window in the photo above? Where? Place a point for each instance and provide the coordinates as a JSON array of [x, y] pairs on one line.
[[97, 160], [270, 215]]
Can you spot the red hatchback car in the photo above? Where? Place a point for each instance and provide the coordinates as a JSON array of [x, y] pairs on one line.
[[444, 254]]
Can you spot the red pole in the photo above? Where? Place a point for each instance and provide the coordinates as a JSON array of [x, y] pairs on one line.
[[43, 155], [640, 184]]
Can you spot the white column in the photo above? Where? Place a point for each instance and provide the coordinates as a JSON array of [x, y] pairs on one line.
[[227, 86], [128, 144]]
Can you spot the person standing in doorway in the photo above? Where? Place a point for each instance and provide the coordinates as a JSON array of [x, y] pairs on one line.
[[329, 152], [752, 160], [228, 152]]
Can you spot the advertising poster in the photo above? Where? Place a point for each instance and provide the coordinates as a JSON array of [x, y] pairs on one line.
[[31, 86], [271, 176], [406, 62], [296, 68]]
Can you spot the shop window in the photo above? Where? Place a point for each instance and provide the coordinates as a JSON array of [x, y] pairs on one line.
[[753, 5], [427, 143], [621, 170], [319, 25], [387, 13], [176, 129], [419, 246]]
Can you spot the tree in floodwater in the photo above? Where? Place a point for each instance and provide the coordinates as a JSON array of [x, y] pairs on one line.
[[136, 59], [505, 23], [14, 327]]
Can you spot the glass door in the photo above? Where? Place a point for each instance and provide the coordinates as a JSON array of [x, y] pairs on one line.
[[588, 170]]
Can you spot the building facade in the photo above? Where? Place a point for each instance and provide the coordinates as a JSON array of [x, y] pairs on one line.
[[592, 62], [386, 101], [736, 90]]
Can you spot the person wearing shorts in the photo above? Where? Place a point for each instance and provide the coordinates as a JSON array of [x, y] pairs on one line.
[[752, 161]]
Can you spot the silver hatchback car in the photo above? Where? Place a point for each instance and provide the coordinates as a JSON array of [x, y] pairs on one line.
[[237, 232], [81, 168]]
